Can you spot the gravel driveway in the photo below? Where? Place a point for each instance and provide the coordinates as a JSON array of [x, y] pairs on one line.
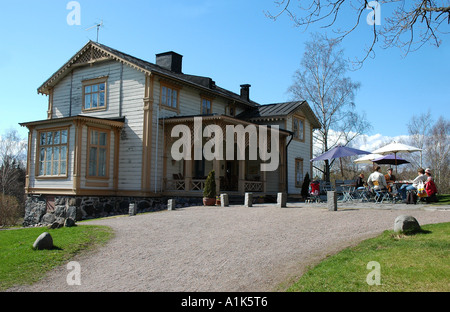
[[222, 249]]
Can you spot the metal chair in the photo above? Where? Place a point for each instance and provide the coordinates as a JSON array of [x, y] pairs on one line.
[[381, 194]]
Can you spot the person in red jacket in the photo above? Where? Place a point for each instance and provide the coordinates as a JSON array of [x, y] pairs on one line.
[[430, 186]]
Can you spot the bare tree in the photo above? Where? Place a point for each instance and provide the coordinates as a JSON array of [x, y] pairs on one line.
[[410, 25], [322, 82], [12, 177], [418, 129], [434, 139], [12, 161], [438, 151]]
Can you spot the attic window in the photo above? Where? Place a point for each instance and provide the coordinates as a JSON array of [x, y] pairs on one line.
[[94, 94], [169, 96], [206, 106], [298, 127]]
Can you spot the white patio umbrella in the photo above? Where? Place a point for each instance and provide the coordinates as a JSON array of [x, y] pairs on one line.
[[367, 159], [394, 148]]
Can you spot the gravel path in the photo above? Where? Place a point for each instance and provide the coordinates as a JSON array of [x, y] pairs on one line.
[[222, 249]]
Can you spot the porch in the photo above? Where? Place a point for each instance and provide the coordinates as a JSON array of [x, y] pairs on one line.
[[236, 176]]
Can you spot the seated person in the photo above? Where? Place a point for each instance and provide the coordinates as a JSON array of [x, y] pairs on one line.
[[390, 178], [430, 186], [379, 179], [360, 184], [413, 187]]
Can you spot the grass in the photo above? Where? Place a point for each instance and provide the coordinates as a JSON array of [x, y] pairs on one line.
[[20, 264], [408, 263], [443, 199]]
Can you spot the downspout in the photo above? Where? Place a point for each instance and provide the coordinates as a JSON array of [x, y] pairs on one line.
[[156, 156], [286, 169], [70, 95], [121, 90]]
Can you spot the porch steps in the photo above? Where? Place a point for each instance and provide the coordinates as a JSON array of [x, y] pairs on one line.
[[239, 199]]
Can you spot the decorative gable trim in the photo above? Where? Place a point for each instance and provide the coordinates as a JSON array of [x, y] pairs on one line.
[[87, 56]]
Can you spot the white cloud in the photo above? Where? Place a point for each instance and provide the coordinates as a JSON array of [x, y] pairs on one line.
[[363, 142]]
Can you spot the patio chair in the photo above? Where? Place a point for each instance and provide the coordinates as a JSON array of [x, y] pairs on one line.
[[363, 194], [381, 194]]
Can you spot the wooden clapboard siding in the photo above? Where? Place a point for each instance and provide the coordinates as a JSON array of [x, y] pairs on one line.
[[298, 149], [125, 93], [68, 94], [130, 152]]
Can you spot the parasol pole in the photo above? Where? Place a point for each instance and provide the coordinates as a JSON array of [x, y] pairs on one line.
[[395, 164]]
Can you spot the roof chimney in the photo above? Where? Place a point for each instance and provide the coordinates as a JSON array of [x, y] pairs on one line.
[[245, 92], [170, 60]]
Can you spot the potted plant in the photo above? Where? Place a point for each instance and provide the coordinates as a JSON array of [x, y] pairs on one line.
[[209, 191]]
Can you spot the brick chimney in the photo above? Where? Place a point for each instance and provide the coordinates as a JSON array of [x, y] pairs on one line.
[[170, 60], [245, 92]]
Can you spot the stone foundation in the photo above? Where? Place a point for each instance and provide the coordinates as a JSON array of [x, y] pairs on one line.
[[46, 209]]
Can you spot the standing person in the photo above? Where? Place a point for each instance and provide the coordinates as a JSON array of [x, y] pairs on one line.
[[380, 180], [413, 187]]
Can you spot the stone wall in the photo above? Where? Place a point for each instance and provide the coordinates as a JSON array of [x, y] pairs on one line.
[[45, 209]]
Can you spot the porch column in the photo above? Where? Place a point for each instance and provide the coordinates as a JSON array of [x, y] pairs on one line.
[[216, 168], [188, 177], [241, 185]]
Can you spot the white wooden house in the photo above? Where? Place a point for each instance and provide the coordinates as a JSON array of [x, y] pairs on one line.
[[109, 118]]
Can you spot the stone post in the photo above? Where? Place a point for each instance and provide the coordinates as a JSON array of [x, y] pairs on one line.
[[332, 200], [248, 200], [171, 204], [281, 200], [224, 200], [132, 209]]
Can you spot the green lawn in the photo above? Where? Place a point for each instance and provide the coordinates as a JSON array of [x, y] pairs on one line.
[[443, 199], [418, 262], [20, 264]]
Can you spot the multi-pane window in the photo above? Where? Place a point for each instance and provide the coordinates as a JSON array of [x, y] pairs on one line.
[[53, 152], [169, 97], [298, 172], [206, 106], [98, 153], [298, 127], [94, 95]]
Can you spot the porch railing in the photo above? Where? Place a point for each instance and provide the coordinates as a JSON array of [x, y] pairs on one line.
[[175, 185], [253, 186], [197, 185]]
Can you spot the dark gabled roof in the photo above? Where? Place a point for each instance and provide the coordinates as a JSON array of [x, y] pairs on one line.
[[279, 111], [204, 83], [271, 110]]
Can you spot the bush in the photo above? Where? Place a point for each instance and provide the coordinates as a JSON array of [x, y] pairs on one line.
[[10, 210], [305, 186], [210, 185]]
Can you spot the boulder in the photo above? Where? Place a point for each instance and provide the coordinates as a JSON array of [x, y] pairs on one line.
[[69, 222], [48, 218], [54, 225], [44, 241], [406, 224]]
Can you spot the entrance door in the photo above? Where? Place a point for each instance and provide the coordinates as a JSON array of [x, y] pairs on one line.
[[231, 175]]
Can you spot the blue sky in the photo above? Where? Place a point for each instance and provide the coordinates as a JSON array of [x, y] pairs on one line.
[[231, 41]]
